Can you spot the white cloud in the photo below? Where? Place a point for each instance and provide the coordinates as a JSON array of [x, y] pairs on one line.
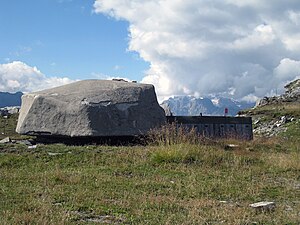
[[211, 46], [262, 35], [18, 76], [287, 69], [294, 17]]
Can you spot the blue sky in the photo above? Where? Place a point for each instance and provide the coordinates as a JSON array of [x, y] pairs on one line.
[[239, 49], [65, 38]]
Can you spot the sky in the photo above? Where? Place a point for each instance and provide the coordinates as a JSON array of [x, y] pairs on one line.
[[239, 49]]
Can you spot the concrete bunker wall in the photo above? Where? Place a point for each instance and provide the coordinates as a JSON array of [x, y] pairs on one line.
[[216, 126]]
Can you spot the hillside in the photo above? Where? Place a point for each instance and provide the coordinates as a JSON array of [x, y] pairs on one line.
[[278, 115], [10, 99], [181, 182], [186, 180]]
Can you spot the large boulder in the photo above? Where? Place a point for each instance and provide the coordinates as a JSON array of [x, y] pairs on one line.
[[91, 108]]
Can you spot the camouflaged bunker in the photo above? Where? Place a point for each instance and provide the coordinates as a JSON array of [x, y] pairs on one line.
[[216, 126]]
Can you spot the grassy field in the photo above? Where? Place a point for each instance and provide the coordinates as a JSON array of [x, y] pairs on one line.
[[182, 182]]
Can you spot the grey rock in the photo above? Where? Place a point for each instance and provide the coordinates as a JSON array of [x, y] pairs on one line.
[[273, 127], [256, 122], [54, 153], [225, 202], [32, 146], [5, 140], [91, 108], [13, 110], [263, 206], [6, 111], [288, 208], [167, 109], [231, 147], [24, 142], [3, 112]]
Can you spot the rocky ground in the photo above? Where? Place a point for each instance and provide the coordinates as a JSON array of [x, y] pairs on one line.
[[9, 110], [274, 127], [277, 115]]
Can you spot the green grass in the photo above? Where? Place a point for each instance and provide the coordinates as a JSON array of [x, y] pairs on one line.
[[8, 127], [272, 111], [268, 113], [179, 184], [169, 182]]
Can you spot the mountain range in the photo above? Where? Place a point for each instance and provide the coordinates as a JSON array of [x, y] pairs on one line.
[[192, 106], [179, 105], [10, 99]]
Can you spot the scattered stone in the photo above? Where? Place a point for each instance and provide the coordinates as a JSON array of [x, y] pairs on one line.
[[256, 122], [273, 127], [32, 147], [5, 140], [263, 206], [9, 110], [231, 147], [91, 108], [54, 153], [297, 186], [27, 142], [103, 219], [225, 202], [24, 142], [58, 203]]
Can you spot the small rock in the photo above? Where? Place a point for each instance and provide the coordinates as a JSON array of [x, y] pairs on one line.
[[263, 206], [54, 153], [256, 122], [231, 146], [5, 140], [223, 202], [25, 142], [297, 186], [32, 146]]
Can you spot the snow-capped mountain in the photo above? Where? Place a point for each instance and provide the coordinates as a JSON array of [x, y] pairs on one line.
[[192, 106]]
